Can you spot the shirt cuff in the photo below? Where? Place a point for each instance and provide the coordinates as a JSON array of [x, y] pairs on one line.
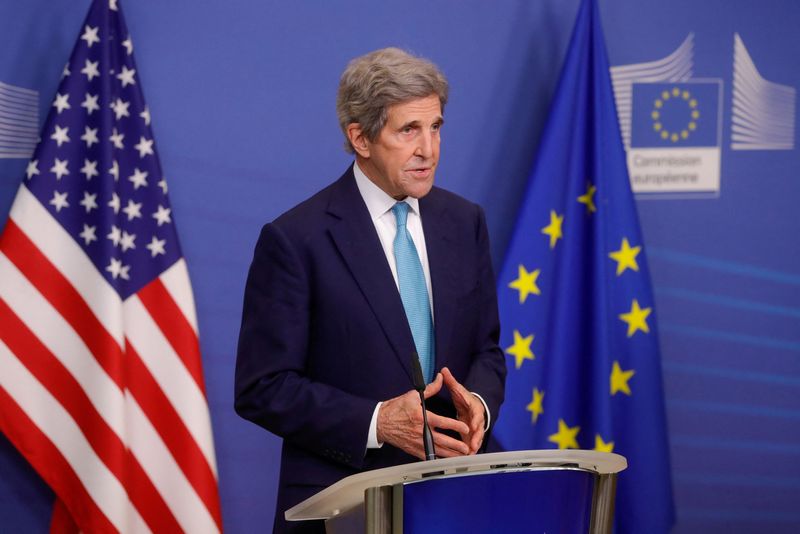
[[372, 437], [487, 415]]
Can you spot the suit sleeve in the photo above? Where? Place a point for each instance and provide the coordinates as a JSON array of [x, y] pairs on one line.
[[487, 371], [272, 388]]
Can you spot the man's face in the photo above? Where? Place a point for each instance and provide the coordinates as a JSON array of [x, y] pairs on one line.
[[403, 158]]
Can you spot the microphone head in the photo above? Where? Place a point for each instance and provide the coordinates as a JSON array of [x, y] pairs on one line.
[[416, 373]]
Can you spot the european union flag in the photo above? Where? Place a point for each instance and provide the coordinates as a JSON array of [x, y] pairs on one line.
[[676, 115], [575, 297]]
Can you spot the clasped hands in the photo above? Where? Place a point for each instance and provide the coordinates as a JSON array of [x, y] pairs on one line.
[[400, 421]]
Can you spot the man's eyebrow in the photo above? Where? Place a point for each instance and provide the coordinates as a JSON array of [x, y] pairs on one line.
[[415, 123]]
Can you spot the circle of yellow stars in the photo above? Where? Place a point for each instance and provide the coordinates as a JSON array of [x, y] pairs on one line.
[[676, 95], [526, 284]]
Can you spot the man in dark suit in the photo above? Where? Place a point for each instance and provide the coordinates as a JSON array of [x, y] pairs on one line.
[[348, 286]]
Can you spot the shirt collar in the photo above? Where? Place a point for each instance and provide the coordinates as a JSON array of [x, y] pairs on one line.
[[377, 200]]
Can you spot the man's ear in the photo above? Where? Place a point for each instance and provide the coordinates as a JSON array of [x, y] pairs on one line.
[[357, 138]]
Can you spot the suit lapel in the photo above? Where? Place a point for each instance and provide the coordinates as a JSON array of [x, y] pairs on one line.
[[355, 237], [437, 225]]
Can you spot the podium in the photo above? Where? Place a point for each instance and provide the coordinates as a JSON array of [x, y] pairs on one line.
[[565, 491]]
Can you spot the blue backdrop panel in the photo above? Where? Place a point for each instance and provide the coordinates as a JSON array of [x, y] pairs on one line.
[[242, 98]]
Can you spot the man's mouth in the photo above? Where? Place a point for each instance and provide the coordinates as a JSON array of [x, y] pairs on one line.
[[420, 172]]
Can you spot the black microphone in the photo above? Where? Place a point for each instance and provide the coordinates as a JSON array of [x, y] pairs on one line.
[[419, 385]]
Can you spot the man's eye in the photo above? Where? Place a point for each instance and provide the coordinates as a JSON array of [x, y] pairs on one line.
[[407, 130], [436, 127]]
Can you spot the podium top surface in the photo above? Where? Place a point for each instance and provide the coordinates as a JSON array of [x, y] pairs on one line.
[[349, 492]]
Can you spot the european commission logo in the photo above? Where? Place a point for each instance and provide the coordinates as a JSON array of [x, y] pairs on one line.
[[671, 123], [676, 114], [675, 138]]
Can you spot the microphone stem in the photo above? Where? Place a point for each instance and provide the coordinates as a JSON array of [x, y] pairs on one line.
[[419, 385], [427, 438]]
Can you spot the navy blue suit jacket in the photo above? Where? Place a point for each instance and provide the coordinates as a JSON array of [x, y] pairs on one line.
[[324, 334]]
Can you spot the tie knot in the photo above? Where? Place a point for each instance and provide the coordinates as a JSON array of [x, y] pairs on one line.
[[400, 211]]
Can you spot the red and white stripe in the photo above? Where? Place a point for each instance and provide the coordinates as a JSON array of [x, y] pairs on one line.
[[104, 397]]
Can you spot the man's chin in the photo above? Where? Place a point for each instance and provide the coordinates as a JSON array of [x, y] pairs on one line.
[[419, 190], [418, 186]]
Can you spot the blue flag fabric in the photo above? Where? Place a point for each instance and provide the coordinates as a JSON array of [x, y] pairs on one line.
[[575, 298]]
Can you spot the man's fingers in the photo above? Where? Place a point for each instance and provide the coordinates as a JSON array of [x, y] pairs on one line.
[[476, 441], [448, 376], [434, 387], [446, 423], [476, 420], [400, 421], [450, 381], [461, 397], [442, 452], [447, 446]]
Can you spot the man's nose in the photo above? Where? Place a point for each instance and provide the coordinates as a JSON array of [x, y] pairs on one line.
[[425, 143]]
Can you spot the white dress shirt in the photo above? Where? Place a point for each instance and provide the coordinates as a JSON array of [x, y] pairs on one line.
[[379, 204]]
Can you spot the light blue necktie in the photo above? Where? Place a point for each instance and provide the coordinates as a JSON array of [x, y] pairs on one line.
[[413, 291]]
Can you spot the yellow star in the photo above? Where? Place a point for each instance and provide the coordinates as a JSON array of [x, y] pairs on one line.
[[619, 379], [636, 318], [554, 228], [588, 198], [526, 283], [602, 446], [535, 407], [521, 349], [625, 257], [565, 437]]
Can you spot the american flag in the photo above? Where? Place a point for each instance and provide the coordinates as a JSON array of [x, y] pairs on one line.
[[101, 385]]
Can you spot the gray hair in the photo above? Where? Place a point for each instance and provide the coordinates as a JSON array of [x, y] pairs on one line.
[[373, 82]]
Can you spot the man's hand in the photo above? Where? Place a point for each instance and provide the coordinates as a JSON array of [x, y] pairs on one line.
[[400, 424], [469, 409]]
